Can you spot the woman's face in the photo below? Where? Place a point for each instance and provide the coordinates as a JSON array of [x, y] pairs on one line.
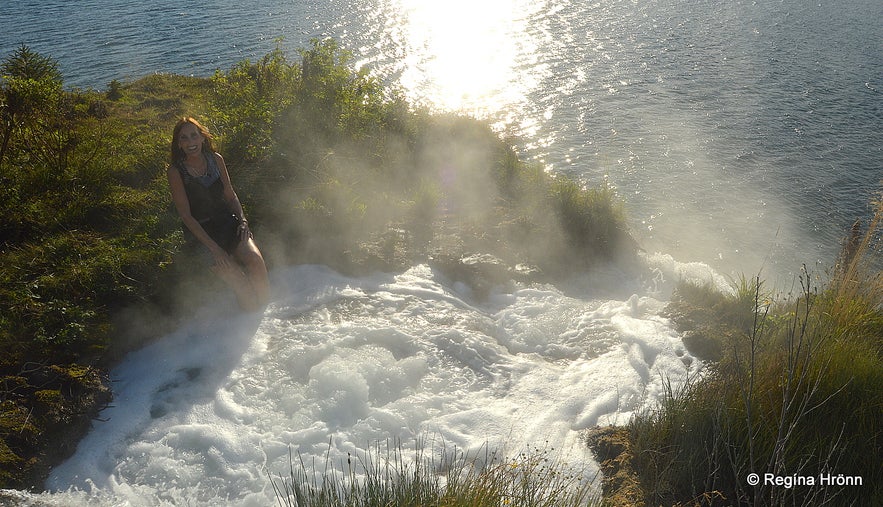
[[190, 139]]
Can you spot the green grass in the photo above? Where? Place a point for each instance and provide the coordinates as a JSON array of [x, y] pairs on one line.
[[385, 476], [796, 391]]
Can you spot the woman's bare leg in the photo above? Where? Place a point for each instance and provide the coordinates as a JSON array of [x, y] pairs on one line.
[[246, 273], [249, 256], [231, 273]]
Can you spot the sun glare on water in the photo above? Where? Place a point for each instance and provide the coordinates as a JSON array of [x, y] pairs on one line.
[[462, 55]]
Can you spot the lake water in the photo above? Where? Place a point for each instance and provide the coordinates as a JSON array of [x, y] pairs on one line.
[[746, 135], [743, 137]]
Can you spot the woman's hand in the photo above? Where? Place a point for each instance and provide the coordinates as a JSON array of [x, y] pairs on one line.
[[226, 268], [222, 258], [244, 232]]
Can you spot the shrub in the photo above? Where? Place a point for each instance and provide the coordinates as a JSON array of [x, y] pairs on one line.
[[592, 219]]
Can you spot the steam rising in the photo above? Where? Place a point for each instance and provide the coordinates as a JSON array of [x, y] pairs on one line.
[[338, 364], [453, 187]]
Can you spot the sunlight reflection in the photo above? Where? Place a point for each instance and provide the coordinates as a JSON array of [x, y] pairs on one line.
[[463, 54]]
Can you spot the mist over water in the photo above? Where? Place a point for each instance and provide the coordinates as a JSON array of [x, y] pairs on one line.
[[337, 365], [743, 137]]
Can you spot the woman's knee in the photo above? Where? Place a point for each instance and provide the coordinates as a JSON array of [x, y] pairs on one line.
[[250, 257]]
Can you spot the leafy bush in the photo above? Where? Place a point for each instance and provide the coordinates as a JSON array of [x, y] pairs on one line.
[[246, 104], [592, 219]]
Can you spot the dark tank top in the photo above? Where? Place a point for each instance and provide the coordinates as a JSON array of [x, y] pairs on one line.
[[205, 193], [208, 206]]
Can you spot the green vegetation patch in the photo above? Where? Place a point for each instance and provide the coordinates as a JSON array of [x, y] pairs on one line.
[[386, 476], [794, 393]]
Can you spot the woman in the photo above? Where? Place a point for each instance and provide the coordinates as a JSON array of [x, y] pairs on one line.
[[212, 213]]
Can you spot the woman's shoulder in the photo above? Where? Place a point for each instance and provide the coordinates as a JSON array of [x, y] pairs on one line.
[[219, 162], [174, 168], [174, 176], [216, 159]]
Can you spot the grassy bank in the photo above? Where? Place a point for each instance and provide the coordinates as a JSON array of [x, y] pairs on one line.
[[794, 393], [331, 166]]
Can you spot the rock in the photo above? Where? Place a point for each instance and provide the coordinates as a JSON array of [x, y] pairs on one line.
[[480, 272], [44, 416]]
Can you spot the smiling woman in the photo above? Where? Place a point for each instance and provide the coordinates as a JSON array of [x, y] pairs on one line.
[[212, 214]]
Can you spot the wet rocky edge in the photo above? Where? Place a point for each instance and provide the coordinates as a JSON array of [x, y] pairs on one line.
[[46, 409], [481, 257]]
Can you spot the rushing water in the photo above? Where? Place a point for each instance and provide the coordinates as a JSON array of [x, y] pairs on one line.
[[742, 136], [337, 365]]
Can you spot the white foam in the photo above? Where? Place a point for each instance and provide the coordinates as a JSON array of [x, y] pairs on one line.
[[338, 364]]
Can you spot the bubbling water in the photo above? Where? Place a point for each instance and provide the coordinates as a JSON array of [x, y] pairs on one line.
[[337, 364]]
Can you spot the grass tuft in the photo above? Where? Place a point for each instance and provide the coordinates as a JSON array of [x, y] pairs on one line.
[[797, 392], [387, 476]]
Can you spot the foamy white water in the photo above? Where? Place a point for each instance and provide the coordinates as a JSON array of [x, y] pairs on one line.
[[202, 415]]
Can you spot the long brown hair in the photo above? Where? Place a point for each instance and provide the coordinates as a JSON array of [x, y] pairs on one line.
[[177, 152]]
